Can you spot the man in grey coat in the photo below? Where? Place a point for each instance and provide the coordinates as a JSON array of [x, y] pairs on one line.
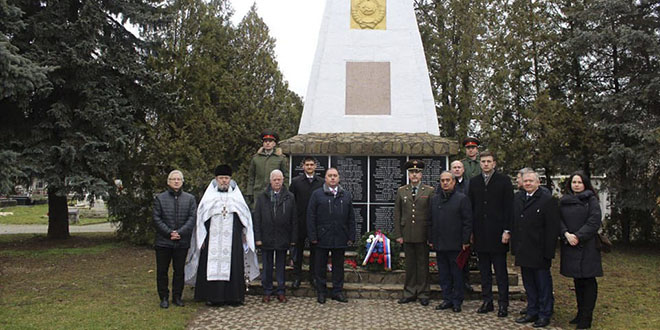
[[174, 217]]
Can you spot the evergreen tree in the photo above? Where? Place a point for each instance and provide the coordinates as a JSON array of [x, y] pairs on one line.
[[75, 135], [621, 52], [226, 87], [450, 32]]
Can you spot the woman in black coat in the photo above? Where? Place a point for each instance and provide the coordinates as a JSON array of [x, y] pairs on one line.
[[580, 258]]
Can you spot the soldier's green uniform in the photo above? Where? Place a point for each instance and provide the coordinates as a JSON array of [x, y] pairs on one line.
[[411, 222], [472, 167]]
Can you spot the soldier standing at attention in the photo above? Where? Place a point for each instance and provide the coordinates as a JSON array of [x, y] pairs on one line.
[[471, 160], [411, 223], [267, 159]]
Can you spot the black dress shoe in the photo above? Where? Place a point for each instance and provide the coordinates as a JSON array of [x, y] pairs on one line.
[[523, 311], [486, 307], [424, 301], [456, 309], [177, 301], [575, 320], [406, 300], [340, 298], [444, 305], [527, 319], [164, 303], [295, 284], [503, 311], [541, 323], [321, 298]]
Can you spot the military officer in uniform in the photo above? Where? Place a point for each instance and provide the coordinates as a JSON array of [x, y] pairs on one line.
[[471, 160], [411, 223]]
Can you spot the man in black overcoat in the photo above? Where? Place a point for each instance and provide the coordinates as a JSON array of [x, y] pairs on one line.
[[491, 195], [302, 187], [275, 230], [534, 238], [331, 227], [462, 185], [449, 234]]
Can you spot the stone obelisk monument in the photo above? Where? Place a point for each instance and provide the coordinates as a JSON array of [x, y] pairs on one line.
[[369, 106]]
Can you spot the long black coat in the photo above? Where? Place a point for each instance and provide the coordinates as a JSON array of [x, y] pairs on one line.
[[275, 223], [302, 189], [174, 211], [463, 186], [581, 215], [535, 229], [492, 211], [331, 219], [451, 221]]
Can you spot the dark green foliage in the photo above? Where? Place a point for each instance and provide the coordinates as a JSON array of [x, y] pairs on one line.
[[227, 89], [557, 85], [75, 135]]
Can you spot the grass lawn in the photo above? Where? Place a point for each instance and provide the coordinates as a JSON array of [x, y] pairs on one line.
[[628, 294], [37, 215], [92, 281]]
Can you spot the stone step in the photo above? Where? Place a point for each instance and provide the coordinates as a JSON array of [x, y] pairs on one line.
[[361, 275], [353, 255], [380, 291]]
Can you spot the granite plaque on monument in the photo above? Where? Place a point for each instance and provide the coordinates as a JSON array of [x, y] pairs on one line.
[[321, 165], [387, 175], [352, 175], [433, 167], [360, 221], [381, 217]]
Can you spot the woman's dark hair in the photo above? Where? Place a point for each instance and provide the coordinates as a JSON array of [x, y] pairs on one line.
[[585, 180]]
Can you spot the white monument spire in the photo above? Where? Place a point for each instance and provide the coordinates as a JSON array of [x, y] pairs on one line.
[[369, 72]]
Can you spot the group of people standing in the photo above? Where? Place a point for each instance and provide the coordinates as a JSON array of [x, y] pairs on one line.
[[479, 211], [472, 208], [213, 246]]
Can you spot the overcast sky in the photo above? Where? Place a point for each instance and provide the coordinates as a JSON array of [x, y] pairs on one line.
[[295, 26]]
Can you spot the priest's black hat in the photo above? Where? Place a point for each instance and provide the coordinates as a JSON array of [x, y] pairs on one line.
[[222, 170]]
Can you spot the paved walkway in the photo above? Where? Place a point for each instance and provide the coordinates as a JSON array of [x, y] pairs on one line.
[[306, 313], [105, 227]]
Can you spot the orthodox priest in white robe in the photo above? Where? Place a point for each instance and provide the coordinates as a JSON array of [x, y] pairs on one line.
[[222, 252]]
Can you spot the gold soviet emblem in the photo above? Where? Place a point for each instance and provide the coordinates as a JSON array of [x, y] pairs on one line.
[[368, 14]]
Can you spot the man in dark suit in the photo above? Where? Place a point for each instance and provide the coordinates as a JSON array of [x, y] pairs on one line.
[[449, 234], [302, 187], [411, 221], [462, 185], [331, 227], [491, 194], [534, 237]]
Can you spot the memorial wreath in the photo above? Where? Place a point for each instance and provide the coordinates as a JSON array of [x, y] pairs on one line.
[[377, 251]]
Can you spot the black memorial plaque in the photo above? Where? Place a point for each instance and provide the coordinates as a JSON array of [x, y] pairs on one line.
[[360, 221], [352, 175], [381, 217], [387, 175], [321, 165], [433, 167]]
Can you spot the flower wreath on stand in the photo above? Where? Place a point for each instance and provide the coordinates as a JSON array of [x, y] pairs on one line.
[[377, 251]]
